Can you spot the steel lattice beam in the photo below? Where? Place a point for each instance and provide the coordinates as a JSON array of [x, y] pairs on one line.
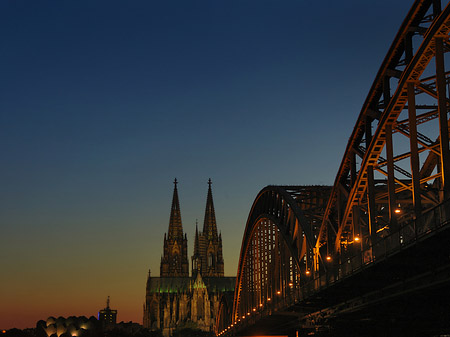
[[391, 190]]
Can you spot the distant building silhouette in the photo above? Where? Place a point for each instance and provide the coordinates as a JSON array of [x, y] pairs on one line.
[[175, 300], [72, 326], [107, 317]]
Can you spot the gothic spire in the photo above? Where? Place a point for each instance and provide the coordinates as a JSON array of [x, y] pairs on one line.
[[174, 262], [196, 242], [209, 224], [175, 226]]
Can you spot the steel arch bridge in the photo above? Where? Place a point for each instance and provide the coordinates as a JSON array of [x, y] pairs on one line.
[[312, 256]]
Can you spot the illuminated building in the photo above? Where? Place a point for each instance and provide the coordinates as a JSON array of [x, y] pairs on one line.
[[75, 326], [175, 299], [107, 316]]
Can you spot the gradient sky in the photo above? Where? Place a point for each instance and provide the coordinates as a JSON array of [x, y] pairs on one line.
[[104, 103]]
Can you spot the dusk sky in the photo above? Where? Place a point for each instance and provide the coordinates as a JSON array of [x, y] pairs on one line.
[[104, 103]]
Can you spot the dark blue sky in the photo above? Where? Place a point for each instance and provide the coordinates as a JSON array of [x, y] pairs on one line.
[[103, 103]]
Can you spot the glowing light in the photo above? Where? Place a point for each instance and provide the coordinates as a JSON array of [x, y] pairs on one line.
[[398, 210], [3, 331], [269, 299], [308, 272], [243, 317], [357, 239], [248, 313], [254, 309], [328, 258], [278, 292], [291, 284], [260, 304], [382, 229]]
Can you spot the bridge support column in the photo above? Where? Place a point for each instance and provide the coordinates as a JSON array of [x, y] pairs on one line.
[[371, 209], [443, 120], [414, 154], [371, 205], [391, 178]]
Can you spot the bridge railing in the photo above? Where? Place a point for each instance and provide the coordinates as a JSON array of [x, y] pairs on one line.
[[408, 234]]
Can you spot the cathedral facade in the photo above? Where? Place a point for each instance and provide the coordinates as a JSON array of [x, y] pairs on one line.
[[176, 299]]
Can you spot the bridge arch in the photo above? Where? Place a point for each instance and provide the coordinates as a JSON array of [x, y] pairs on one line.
[[277, 249], [396, 166], [392, 189], [224, 313]]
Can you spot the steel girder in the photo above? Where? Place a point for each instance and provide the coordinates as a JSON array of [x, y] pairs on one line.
[[277, 248], [395, 174]]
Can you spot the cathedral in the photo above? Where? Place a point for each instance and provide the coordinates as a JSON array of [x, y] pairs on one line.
[[175, 299]]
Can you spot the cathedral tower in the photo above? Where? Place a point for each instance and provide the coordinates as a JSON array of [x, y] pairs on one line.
[[208, 256], [174, 262], [174, 300]]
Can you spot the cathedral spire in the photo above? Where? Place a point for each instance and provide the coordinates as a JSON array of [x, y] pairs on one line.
[[196, 258], [175, 226], [209, 224], [174, 262], [196, 243]]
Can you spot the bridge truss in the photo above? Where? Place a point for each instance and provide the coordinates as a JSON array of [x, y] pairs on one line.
[[391, 190]]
